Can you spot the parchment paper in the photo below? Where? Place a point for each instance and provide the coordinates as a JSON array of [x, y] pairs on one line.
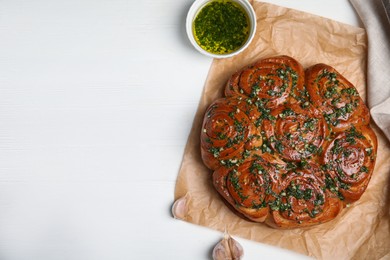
[[361, 231]]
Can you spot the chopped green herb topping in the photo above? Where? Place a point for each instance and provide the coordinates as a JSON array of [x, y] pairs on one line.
[[279, 146], [287, 112], [330, 92], [350, 91], [310, 124], [265, 148]]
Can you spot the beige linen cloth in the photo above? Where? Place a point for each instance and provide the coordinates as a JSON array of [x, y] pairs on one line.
[[373, 15]]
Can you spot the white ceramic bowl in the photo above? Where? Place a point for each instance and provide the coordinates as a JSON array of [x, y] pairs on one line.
[[195, 8]]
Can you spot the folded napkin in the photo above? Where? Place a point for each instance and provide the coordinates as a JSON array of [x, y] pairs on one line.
[[373, 15]]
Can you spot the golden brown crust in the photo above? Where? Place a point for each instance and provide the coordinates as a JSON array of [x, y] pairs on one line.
[[250, 187], [350, 160], [295, 133], [336, 97], [228, 131], [277, 79], [303, 201], [287, 154]]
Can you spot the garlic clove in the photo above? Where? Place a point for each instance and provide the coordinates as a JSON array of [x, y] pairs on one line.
[[237, 250], [179, 208], [228, 249], [222, 251]]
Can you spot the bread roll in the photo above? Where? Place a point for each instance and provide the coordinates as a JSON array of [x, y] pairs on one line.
[[289, 148]]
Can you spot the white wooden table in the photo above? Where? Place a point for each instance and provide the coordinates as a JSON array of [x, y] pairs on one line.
[[97, 98]]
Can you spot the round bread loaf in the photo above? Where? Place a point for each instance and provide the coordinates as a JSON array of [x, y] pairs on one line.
[[288, 147]]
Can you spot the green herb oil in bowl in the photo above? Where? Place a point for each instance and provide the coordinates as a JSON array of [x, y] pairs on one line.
[[221, 27]]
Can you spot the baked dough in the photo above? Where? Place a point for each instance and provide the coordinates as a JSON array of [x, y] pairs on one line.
[[289, 147]]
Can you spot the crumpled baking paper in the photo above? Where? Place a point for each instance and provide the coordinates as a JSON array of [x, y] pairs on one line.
[[361, 231]]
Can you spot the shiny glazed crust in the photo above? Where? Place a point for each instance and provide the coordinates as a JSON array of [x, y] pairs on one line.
[[289, 147]]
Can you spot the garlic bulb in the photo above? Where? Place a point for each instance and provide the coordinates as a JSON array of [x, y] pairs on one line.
[[179, 208], [228, 249]]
